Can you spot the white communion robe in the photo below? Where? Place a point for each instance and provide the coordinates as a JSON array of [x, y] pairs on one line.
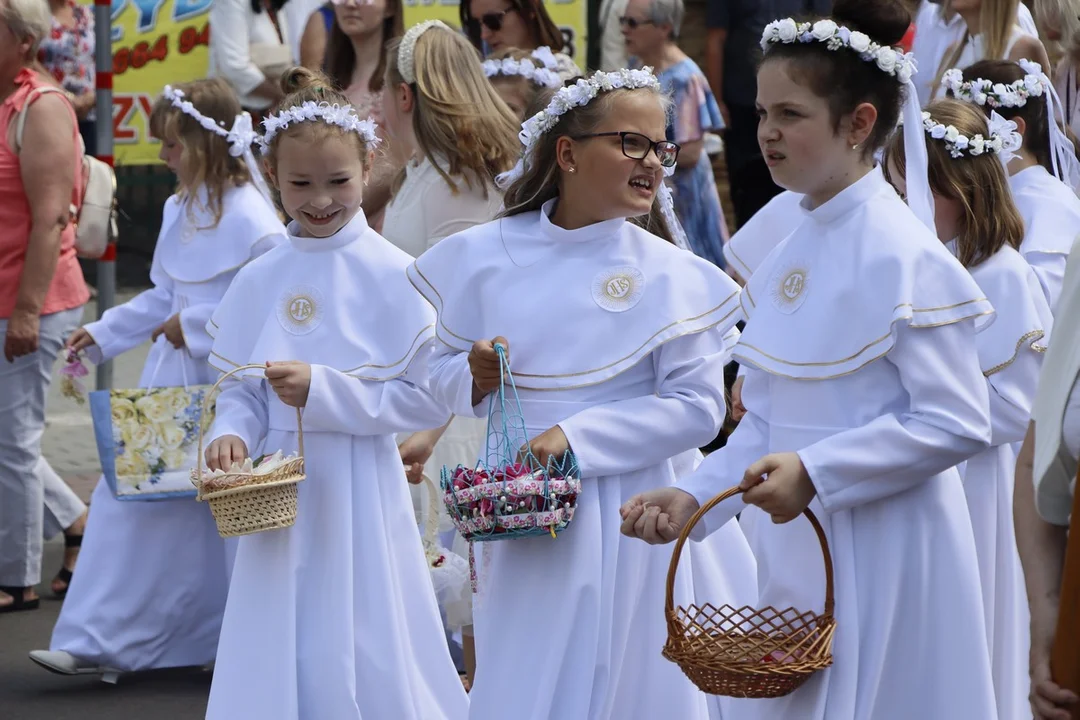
[[860, 352], [620, 339], [1051, 212], [1010, 354], [763, 232], [334, 617], [152, 578]]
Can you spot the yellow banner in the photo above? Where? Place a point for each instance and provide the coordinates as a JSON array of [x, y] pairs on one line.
[[146, 33]]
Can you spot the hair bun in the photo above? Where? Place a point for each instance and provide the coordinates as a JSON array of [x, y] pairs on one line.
[[300, 78], [885, 21]]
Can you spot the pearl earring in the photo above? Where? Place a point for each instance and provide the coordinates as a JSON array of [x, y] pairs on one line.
[[572, 169]]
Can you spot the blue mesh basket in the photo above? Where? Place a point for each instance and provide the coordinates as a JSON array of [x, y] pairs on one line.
[[509, 493]]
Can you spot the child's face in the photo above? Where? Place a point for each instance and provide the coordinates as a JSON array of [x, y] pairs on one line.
[[171, 153], [321, 183], [948, 213], [797, 135], [513, 92]]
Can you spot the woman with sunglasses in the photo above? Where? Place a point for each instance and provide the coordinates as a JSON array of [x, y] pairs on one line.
[[494, 25], [651, 29]]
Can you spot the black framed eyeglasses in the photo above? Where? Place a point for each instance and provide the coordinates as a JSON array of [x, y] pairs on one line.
[[633, 23], [493, 21], [637, 146]]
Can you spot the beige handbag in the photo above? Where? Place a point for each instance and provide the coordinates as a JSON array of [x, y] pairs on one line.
[[272, 59], [94, 214]]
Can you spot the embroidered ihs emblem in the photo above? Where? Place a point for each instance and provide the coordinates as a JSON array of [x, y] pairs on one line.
[[788, 287], [300, 309], [618, 289]]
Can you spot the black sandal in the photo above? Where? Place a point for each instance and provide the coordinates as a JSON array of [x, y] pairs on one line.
[[64, 576], [20, 603]]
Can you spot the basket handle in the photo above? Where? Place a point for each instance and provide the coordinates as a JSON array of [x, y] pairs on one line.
[[684, 535], [431, 521], [206, 408]]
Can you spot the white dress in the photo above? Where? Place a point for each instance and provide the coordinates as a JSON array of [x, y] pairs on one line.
[[1010, 354], [152, 576], [621, 340], [335, 617], [765, 230], [881, 402], [1051, 213]]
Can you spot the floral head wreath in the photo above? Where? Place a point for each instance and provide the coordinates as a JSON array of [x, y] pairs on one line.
[[342, 116], [546, 75], [580, 94], [240, 137], [1002, 139], [890, 61], [408, 46], [1035, 83]]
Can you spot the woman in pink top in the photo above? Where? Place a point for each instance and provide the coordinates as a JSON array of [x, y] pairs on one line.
[[41, 296]]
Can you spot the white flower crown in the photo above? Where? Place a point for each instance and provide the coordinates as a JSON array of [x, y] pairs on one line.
[[545, 76], [997, 95], [1003, 138], [344, 116], [895, 62], [240, 137]]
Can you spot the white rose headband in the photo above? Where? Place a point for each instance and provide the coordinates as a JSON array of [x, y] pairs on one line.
[[408, 46], [890, 61], [240, 137], [581, 94], [1035, 83], [1002, 140], [546, 75], [343, 116]]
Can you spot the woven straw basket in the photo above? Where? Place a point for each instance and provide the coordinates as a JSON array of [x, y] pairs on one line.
[[748, 653], [256, 502]]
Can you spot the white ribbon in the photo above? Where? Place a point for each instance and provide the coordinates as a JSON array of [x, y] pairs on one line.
[[241, 139], [1062, 153], [919, 197]]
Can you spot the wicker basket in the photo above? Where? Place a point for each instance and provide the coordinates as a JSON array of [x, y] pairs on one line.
[[748, 653], [255, 502]]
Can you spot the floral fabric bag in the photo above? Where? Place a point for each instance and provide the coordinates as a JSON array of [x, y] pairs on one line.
[[147, 439]]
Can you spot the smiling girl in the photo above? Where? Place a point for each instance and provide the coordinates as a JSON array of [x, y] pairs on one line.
[[625, 367], [863, 392], [334, 617]]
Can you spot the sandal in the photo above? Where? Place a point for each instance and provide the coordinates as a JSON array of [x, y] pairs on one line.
[[20, 602], [64, 576]]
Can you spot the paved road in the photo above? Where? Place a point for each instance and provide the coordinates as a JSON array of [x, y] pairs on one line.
[[30, 693]]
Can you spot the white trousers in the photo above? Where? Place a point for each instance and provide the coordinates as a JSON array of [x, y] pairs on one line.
[[34, 501]]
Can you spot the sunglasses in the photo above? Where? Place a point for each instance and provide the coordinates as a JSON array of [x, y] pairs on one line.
[[493, 21], [634, 23], [637, 147]]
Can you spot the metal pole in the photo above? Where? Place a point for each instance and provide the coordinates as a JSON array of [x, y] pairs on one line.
[[106, 275]]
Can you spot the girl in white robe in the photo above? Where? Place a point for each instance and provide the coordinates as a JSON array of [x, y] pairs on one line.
[[334, 617], [978, 220], [153, 576], [1045, 173], [765, 230], [863, 391], [618, 342]]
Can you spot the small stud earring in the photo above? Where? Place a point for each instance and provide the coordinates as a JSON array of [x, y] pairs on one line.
[[854, 147], [572, 169]]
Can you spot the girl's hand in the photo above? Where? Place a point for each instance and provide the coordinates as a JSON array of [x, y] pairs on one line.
[[779, 485], [549, 445], [416, 451], [225, 451], [172, 331], [291, 380], [484, 365], [1049, 701], [80, 340], [738, 410]]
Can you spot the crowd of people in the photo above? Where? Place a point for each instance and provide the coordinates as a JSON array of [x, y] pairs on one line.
[[421, 205]]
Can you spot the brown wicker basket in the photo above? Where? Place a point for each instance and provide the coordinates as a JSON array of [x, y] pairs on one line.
[[255, 502], [748, 653]]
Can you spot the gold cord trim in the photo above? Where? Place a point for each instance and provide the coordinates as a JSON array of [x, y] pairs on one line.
[[1031, 336]]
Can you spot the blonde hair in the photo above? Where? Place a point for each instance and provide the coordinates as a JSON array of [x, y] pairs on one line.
[[204, 158], [996, 22], [978, 182], [27, 20], [457, 113], [541, 179], [1066, 14]]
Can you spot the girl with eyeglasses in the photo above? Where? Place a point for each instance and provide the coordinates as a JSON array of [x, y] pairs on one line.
[[494, 25]]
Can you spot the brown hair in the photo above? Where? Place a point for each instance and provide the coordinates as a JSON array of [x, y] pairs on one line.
[[536, 96], [300, 86], [978, 182], [545, 32], [1033, 113], [457, 113], [341, 56], [541, 180], [842, 77], [205, 157]]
